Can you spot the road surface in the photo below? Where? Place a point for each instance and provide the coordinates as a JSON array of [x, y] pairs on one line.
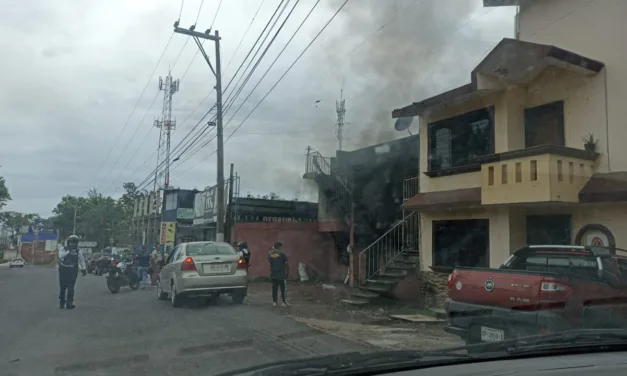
[[132, 333]]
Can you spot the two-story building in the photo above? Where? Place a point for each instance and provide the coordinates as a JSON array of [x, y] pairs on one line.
[[503, 159]]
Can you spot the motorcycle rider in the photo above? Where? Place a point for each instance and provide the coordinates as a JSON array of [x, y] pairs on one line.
[[244, 252], [70, 261]]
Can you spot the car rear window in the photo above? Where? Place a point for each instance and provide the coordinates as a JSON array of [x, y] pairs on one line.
[[557, 263], [209, 249]]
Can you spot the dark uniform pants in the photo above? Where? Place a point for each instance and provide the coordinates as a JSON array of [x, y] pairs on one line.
[[67, 280], [276, 285]]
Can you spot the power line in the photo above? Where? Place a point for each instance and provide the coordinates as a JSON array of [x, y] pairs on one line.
[[199, 9], [215, 16], [288, 69], [241, 65], [250, 73], [188, 146], [275, 60], [135, 106], [285, 73]]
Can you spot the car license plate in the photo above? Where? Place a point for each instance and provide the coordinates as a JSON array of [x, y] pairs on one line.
[[492, 335], [216, 268]]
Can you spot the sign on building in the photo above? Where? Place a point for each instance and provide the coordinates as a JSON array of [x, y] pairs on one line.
[[168, 233]]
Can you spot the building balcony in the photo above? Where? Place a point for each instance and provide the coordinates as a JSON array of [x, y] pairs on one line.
[[540, 174]]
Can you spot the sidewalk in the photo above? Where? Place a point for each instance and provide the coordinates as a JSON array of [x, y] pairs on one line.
[[322, 309]]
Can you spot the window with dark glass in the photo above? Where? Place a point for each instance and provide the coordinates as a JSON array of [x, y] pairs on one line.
[[458, 140], [544, 125], [186, 199], [460, 243]]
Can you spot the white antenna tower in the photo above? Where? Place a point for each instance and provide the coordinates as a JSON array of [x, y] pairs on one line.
[[340, 108], [166, 125]]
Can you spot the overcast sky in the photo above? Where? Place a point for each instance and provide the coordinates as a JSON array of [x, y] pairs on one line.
[[73, 71]]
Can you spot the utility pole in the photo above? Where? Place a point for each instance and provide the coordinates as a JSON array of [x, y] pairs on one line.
[[220, 148], [341, 111], [74, 222]]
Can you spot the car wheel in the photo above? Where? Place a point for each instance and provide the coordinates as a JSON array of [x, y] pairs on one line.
[[175, 298], [238, 297], [160, 294]]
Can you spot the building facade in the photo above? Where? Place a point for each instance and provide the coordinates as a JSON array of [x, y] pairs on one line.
[[508, 159]]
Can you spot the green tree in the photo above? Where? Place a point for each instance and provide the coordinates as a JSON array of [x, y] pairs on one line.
[[5, 196], [14, 222]]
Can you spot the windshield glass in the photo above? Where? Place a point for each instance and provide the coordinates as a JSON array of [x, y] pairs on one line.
[[286, 179], [209, 249]]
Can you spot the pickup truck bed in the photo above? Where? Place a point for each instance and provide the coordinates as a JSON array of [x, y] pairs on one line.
[[513, 301]]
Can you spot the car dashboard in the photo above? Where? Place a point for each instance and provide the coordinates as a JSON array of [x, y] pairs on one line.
[[596, 363]]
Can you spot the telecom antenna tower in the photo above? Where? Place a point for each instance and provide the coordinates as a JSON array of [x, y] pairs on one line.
[[340, 108], [166, 124]]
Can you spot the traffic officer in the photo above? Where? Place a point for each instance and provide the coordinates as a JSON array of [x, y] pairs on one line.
[[70, 261]]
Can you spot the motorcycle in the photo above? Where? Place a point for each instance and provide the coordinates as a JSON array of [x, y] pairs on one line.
[[122, 274]]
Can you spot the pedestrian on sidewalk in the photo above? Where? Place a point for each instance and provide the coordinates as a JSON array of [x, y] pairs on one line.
[[279, 270], [70, 261], [142, 261]]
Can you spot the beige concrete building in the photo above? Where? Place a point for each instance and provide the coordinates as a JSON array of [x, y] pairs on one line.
[[503, 159]]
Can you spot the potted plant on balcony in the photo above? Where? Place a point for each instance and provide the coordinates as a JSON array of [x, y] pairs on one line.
[[590, 143]]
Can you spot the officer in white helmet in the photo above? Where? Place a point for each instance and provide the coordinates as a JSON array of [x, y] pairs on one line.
[[70, 261]]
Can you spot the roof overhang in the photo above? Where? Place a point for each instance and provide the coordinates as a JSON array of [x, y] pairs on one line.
[[502, 3], [443, 200], [511, 62], [605, 188]]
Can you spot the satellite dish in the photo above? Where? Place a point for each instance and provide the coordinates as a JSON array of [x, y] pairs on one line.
[[403, 123]]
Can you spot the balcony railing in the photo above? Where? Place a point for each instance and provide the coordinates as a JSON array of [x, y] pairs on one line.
[[538, 174], [411, 187]]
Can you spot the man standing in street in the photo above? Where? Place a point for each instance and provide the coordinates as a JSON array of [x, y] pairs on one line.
[[70, 260], [279, 270], [142, 260]]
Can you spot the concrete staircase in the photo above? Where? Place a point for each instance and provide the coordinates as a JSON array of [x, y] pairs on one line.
[[380, 285]]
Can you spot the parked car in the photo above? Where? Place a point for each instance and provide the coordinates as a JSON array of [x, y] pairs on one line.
[[539, 289], [16, 263], [203, 269]]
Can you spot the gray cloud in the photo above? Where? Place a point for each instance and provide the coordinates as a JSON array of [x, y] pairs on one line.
[[76, 68]]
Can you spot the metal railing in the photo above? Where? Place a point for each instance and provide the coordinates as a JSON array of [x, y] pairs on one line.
[[411, 187], [403, 236], [317, 164]]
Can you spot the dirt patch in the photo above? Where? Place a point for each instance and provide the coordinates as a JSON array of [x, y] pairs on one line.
[[321, 308]]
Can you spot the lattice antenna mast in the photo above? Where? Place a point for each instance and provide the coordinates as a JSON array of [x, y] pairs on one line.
[[340, 109], [166, 124]]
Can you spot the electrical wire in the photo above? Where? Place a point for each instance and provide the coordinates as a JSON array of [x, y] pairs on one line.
[[283, 75], [135, 106], [215, 15]]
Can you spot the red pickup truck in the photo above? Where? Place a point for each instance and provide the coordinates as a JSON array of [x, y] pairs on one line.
[[539, 289]]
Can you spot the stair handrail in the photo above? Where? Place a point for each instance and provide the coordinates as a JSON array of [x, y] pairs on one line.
[[407, 219]]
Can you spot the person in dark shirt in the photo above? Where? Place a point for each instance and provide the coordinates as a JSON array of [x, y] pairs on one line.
[[142, 260], [279, 270]]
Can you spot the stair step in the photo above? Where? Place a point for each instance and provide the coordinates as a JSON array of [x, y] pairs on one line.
[[439, 313], [365, 295], [399, 265], [375, 288], [381, 282], [411, 252], [396, 270], [403, 261], [355, 301], [393, 274]]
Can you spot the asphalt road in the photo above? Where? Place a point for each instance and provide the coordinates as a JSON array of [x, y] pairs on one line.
[[132, 333]]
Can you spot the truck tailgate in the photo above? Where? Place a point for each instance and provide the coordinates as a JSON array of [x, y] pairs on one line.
[[495, 287]]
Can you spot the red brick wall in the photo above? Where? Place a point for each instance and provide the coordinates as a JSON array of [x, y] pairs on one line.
[[42, 257], [302, 242]]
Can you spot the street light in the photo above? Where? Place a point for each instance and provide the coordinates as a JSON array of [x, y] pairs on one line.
[[35, 239]]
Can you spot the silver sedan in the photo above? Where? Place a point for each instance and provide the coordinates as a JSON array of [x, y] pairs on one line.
[[202, 269]]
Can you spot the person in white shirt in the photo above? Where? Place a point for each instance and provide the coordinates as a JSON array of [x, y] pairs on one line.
[[70, 261]]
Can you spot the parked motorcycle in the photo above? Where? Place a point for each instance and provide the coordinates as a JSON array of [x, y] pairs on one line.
[[122, 274]]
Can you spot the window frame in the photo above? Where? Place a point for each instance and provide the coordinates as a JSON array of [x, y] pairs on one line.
[[443, 123], [446, 268]]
